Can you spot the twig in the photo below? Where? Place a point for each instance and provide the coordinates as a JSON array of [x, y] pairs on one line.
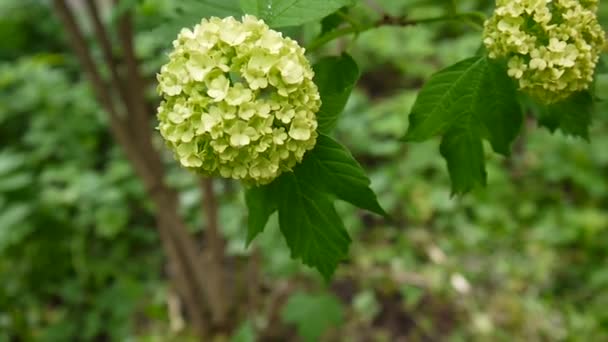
[[117, 123], [106, 48], [79, 45], [136, 84], [389, 21]]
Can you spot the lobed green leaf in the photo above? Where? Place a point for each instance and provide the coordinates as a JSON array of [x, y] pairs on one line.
[[280, 13], [572, 116], [304, 199], [331, 167], [335, 77], [261, 202], [310, 224], [467, 102]]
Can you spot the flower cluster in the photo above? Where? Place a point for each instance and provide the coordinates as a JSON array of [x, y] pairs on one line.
[[239, 100], [552, 46]]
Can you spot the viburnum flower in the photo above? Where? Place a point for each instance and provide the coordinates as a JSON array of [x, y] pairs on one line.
[[552, 46], [238, 100]]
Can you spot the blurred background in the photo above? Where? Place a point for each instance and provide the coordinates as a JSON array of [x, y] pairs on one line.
[[81, 259]]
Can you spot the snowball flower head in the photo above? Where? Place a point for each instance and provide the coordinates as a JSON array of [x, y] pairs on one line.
[[552, 46], [238, 100]]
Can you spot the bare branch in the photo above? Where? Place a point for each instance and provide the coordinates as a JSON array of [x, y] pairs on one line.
[[103, 95], [139, 154], [179, 245], [79, 45], [213, 256], [135, 82], [106, 48]]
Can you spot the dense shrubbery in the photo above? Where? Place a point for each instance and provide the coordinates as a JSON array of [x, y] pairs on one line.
[[523, 258]]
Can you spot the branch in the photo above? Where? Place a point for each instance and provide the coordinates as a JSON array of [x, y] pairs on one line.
[[178, 273], [136, 99], [180, 247], [211, 210], [388, 20], [213, 256], [117, 124], [106, 48], [134, 80], [79, 45]]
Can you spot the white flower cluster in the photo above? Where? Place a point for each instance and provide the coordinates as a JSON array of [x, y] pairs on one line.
[[552, 46], [239, 100]]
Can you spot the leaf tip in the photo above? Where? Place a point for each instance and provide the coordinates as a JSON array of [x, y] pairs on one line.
[[249, 240]]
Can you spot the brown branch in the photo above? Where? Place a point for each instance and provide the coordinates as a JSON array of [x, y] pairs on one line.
[[275, 300], [135, 95], [166, 200], [106, 48], [135, 82], [181, 282], [146, 162], [79, 45], [213, 256], [210, 208]]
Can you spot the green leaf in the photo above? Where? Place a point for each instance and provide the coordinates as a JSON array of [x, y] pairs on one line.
[[330, 166], [208, 8], [304, 198], [463, 150], [497, 108], [313, 315], [14, 225], [312, 228], [331, 22], [469, 101], [261, 203], [187, 13], [10, 162], [444, 99], [335, 77], [280, 13], [245, 333], [572, 116]]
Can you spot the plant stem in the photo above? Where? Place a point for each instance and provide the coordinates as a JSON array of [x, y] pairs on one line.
[[469, 17], [213, 257]]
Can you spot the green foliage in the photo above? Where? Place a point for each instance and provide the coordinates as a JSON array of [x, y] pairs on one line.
[[80, 258], [67, 197], [312, 228], [122, 7], [261, 202], [187, 13], [469, 101], [331, 168], [245, 333], [280, 13], [16, 31], [572, 116], [210, 8], [335, 77], [313, 315]]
